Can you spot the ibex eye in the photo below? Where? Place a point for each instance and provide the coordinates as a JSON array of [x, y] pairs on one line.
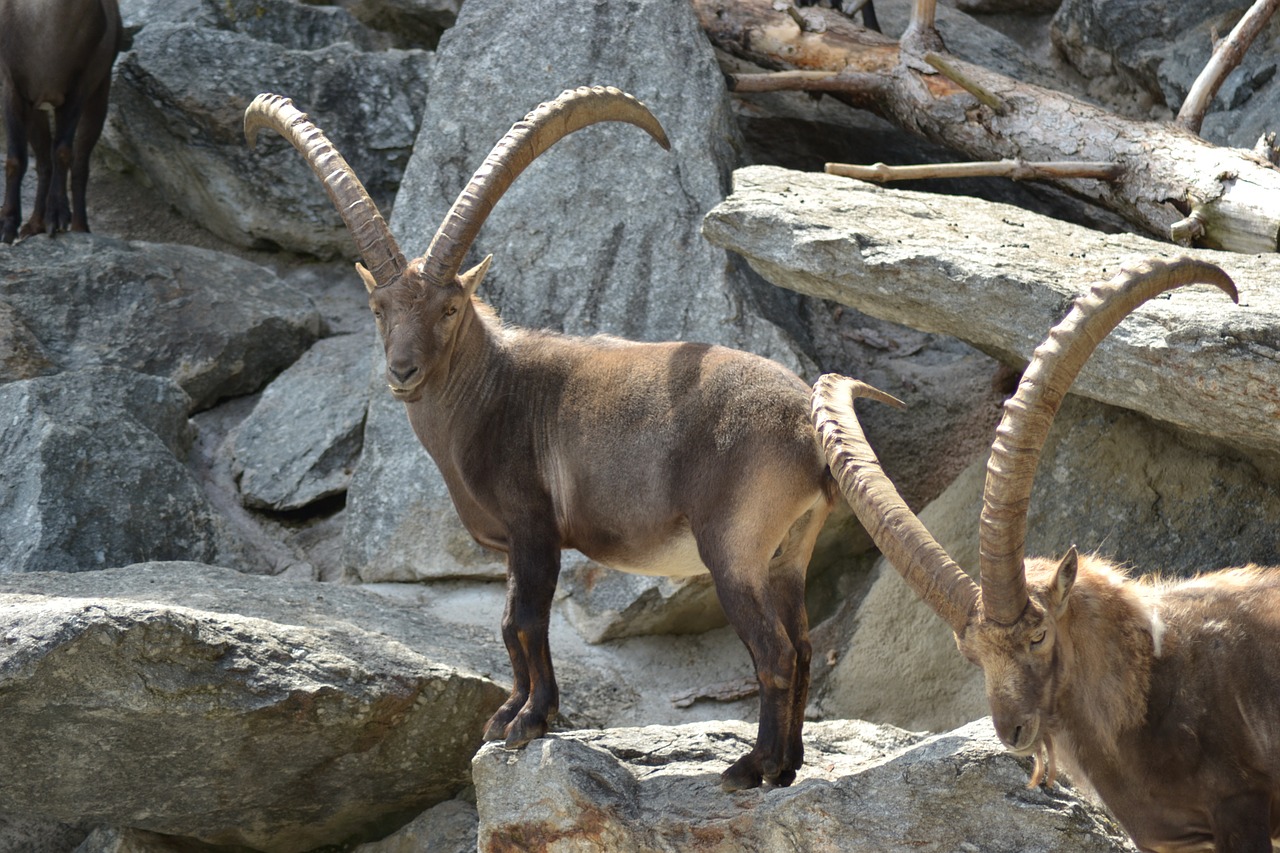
[[1038, 637], [451, 310]]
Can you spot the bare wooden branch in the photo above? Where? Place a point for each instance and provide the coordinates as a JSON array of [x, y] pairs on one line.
[[1190, 229], [808, 23], [1016, 169], [1226, 56], [954, 74], [854, 85], [1162, 166]]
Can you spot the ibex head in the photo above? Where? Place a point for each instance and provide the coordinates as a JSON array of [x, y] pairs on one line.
[[1019, 661], [421, 306], [1010, 624]]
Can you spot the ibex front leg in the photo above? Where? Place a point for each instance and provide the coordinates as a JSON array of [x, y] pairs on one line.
[[16, 120], [532, 571]]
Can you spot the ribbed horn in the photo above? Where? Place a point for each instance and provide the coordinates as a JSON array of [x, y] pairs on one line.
[[373, 238], [895, 529], [527, 139], [1030, 412]]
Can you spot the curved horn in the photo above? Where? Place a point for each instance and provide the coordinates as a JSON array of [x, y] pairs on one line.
[[896, 530], [527, 139], [373, 238], [1030, 412]]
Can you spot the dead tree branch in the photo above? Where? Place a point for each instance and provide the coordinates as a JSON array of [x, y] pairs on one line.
[[1167, 173], [1018, 170], [1226, 56]]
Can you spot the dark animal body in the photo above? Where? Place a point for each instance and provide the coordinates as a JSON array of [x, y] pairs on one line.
[[56, 55], [655, 458], [1159, 695]]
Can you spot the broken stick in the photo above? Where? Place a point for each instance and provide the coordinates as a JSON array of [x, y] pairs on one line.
[[1018, 170]]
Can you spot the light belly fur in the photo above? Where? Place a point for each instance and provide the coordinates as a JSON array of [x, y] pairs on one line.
[[677, 558]]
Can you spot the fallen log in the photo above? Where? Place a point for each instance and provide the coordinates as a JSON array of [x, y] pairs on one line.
[[998, 277], [1168, 173]]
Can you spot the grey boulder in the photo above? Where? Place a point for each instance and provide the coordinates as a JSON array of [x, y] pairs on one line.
[[999, 278], [863, 788], [217, 325], [600, 235], [93, 474], [177, 118], [302, 440], [193, 701]]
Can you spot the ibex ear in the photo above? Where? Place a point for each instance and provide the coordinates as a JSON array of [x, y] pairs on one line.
[[1065, 578], [366, 277], [471, 278]]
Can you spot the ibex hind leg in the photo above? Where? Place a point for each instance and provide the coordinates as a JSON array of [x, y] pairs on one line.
[[62, 153], [787, 573], [762, 594], [532, 571], [86, 137]]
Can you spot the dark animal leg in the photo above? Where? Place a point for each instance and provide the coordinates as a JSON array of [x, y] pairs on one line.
[[38, 133], [95, 115], [787, 573], [761, 588], [1242, 824], [66, 120], [788, 595], [746, 602], [869, 19], [532, 571], [15, 166]]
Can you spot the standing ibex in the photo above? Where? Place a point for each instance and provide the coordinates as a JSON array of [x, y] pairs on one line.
[[56, 54], [670, 459], [1164, 696]]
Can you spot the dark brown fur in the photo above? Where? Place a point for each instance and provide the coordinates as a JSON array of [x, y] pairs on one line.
[[57, 53], [663, 458], [1161, 696]]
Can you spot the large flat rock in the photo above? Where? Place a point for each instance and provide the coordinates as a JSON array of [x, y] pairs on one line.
[[195, 701], [999, 277]]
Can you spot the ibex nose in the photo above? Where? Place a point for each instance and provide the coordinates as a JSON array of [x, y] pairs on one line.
[[1018, 735], [401, 373]]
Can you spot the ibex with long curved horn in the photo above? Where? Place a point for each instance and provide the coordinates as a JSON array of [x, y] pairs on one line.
[[670, 459], [1164, 697]]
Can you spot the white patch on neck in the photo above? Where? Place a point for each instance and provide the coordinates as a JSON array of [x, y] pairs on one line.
[[1157, 631]]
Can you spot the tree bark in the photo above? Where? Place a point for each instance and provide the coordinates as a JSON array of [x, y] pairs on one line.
[[1168, 173]]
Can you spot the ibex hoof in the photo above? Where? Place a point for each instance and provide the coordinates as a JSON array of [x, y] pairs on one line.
[[783, 779], [741, 775], [523, 730]]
